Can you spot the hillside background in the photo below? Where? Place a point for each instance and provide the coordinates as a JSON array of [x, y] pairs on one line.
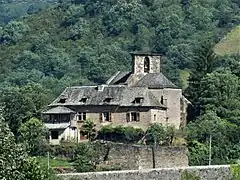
[[46, 46]]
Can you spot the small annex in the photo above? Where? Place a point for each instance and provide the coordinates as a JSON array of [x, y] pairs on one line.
[[135, 98]]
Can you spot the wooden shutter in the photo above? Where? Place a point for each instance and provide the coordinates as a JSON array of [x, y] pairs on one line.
[[137, 116], [110, 117], [100, 117], [128, 117]]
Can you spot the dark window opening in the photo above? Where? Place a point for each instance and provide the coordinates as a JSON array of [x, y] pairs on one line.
[[62, 100], [146, 64], [54, 134], [58, 118], [138, 100], [162, 100], [82, 116], [83, 100], [133, 116], [107, 100], [155, 117], [105, 116]]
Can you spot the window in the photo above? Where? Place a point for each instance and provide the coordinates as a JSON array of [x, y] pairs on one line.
[[133, 116], [155, 117], [146, 64], [58, 118], [162, 100], [107, 100], [83, 100], [81, 116], [138, 100], [62, 100], [65, 118], [54, 134], [105, 116]]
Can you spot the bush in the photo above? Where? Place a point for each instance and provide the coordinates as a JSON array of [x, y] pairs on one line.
[[162, 135], [120, 134], [86, 158]]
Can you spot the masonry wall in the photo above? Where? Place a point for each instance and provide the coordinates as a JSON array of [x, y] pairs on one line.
[[202, 172], [138, 64], [141, 157], [173, 103], [119, 116], [171, 99]]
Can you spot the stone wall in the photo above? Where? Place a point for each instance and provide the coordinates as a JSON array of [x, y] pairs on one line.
[[118, 116], [138, 64], [172, 100], [143, 157], [186, 173]]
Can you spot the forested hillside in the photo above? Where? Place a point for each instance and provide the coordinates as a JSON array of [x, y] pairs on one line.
[[13, 9], [86, 41]]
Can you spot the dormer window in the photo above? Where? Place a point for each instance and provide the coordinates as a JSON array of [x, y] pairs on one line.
[[138, 100], [146, 64], [62, 100], [107, 100], [83, 100]]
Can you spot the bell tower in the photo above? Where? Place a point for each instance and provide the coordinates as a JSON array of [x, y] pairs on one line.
[[144, 63]]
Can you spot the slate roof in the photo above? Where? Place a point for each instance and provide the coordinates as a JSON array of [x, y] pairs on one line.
[[57, 126], [119, 95], [59, 110], [155, 80], [120, 78]]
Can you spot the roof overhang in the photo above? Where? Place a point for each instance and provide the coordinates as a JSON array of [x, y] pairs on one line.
[[57, 126], [59, 110]]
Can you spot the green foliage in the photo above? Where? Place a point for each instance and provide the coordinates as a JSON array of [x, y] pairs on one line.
[[86, 158], [13, 32], [159, 134], [204, 62], [10, 10], [235, 171], [65, 149], [185, 175], [54, 162], [33, 134], [120, 134], [225, 137], [230, 44], [88, 129], [14, 161], [85, 42], [22, 103]]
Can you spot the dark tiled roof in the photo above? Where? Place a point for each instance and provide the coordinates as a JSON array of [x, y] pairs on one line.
[[155, 80], [120, 78], [145, 54], [59, 110], [118, 95]]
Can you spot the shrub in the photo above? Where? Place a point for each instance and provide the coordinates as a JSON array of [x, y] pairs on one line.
[[86, 158], [120, 134]]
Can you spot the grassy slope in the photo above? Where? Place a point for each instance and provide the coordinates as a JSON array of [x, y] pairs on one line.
[[230, 44], [56, 162]]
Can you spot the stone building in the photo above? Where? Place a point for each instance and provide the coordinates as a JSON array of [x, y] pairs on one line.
[[135, 98]]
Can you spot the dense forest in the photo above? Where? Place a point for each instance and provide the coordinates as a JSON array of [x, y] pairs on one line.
[[86, 41], [13, 9]]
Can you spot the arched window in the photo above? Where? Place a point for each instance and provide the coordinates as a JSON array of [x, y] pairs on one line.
[[146, 64]]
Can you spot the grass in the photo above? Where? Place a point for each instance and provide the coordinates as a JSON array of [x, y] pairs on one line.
[[230, 44], [55, 162]]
